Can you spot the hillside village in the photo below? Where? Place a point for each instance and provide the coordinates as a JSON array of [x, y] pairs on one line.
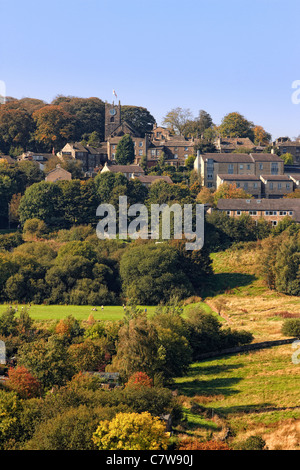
[[109, 334], [258, 169]]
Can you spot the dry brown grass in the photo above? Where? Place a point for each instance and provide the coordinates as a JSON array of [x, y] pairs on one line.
[[262, 315]]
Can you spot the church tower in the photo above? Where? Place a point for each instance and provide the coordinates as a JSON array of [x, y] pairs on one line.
[[112, 118]]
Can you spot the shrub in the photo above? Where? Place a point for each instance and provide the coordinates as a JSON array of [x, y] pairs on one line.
[[195, 444], [35, 228], [139, 379], [252, 443], [291, 327]]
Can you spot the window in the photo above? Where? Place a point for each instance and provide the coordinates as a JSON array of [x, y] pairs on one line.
[[282, 212], [175, 156], [274, 222], [140, 144], [271, 185], [230, 168], [248, 167], [290, 212], [288, 186], [209, 185], [113, 156], [270, 212], [185, 155], [255, 185], [261, 166], [279, 186], [274, 168], [186, 149], [153, 153], [228, 212], [209, 176], [246, 185], [238, 212], [176, 149], [252, 212], [241, 167], [140, 152], [114, 147]]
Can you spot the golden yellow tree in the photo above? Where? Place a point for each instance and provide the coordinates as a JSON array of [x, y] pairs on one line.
[[131, 431]]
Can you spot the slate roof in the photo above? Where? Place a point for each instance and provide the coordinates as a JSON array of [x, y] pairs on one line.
[[238, 177], [283, 204]]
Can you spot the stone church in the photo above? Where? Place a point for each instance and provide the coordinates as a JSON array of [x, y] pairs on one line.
[[153, 145]]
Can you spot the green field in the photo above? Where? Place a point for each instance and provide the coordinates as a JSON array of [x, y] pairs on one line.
[[82, 312], [251, 393]]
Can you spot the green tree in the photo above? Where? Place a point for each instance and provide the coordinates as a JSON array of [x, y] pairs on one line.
[[138, 117], [47, 360], [178, 119], [151, 273], [136, 348], [125, 151], [236, 125], [42, 201], [287, 158]]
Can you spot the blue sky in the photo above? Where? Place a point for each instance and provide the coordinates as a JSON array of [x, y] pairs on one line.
[[216, 55]]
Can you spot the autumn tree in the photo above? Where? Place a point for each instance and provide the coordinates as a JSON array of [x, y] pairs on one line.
[[131, 431], [139, 379], [16, 126], [230, 191], [261, 137], [88, 114], [54, 127], [23, 382]]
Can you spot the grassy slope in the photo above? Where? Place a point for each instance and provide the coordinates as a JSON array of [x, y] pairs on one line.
[[252, 393]]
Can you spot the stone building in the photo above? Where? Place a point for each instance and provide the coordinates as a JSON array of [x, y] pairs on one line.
[[90, 157], [130, 171], [58, 174], [272, 210], [210, 165], [232, 144], [286, 145]]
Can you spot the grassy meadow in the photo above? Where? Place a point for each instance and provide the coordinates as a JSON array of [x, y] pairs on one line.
[[251, 393], [254, 393]]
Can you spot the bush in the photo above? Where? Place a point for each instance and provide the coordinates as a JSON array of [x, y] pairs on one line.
[[35, 228], [252, 443], [195, 444], [291, 327]]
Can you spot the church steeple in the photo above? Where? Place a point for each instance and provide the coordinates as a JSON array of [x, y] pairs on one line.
[[112, 118]]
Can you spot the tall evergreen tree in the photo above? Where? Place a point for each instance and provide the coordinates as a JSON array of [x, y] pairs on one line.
[[125, 150]]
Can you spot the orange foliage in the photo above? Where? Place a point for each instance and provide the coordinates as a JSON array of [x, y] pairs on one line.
[[23, 382], [139, 379], [195, 444]]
